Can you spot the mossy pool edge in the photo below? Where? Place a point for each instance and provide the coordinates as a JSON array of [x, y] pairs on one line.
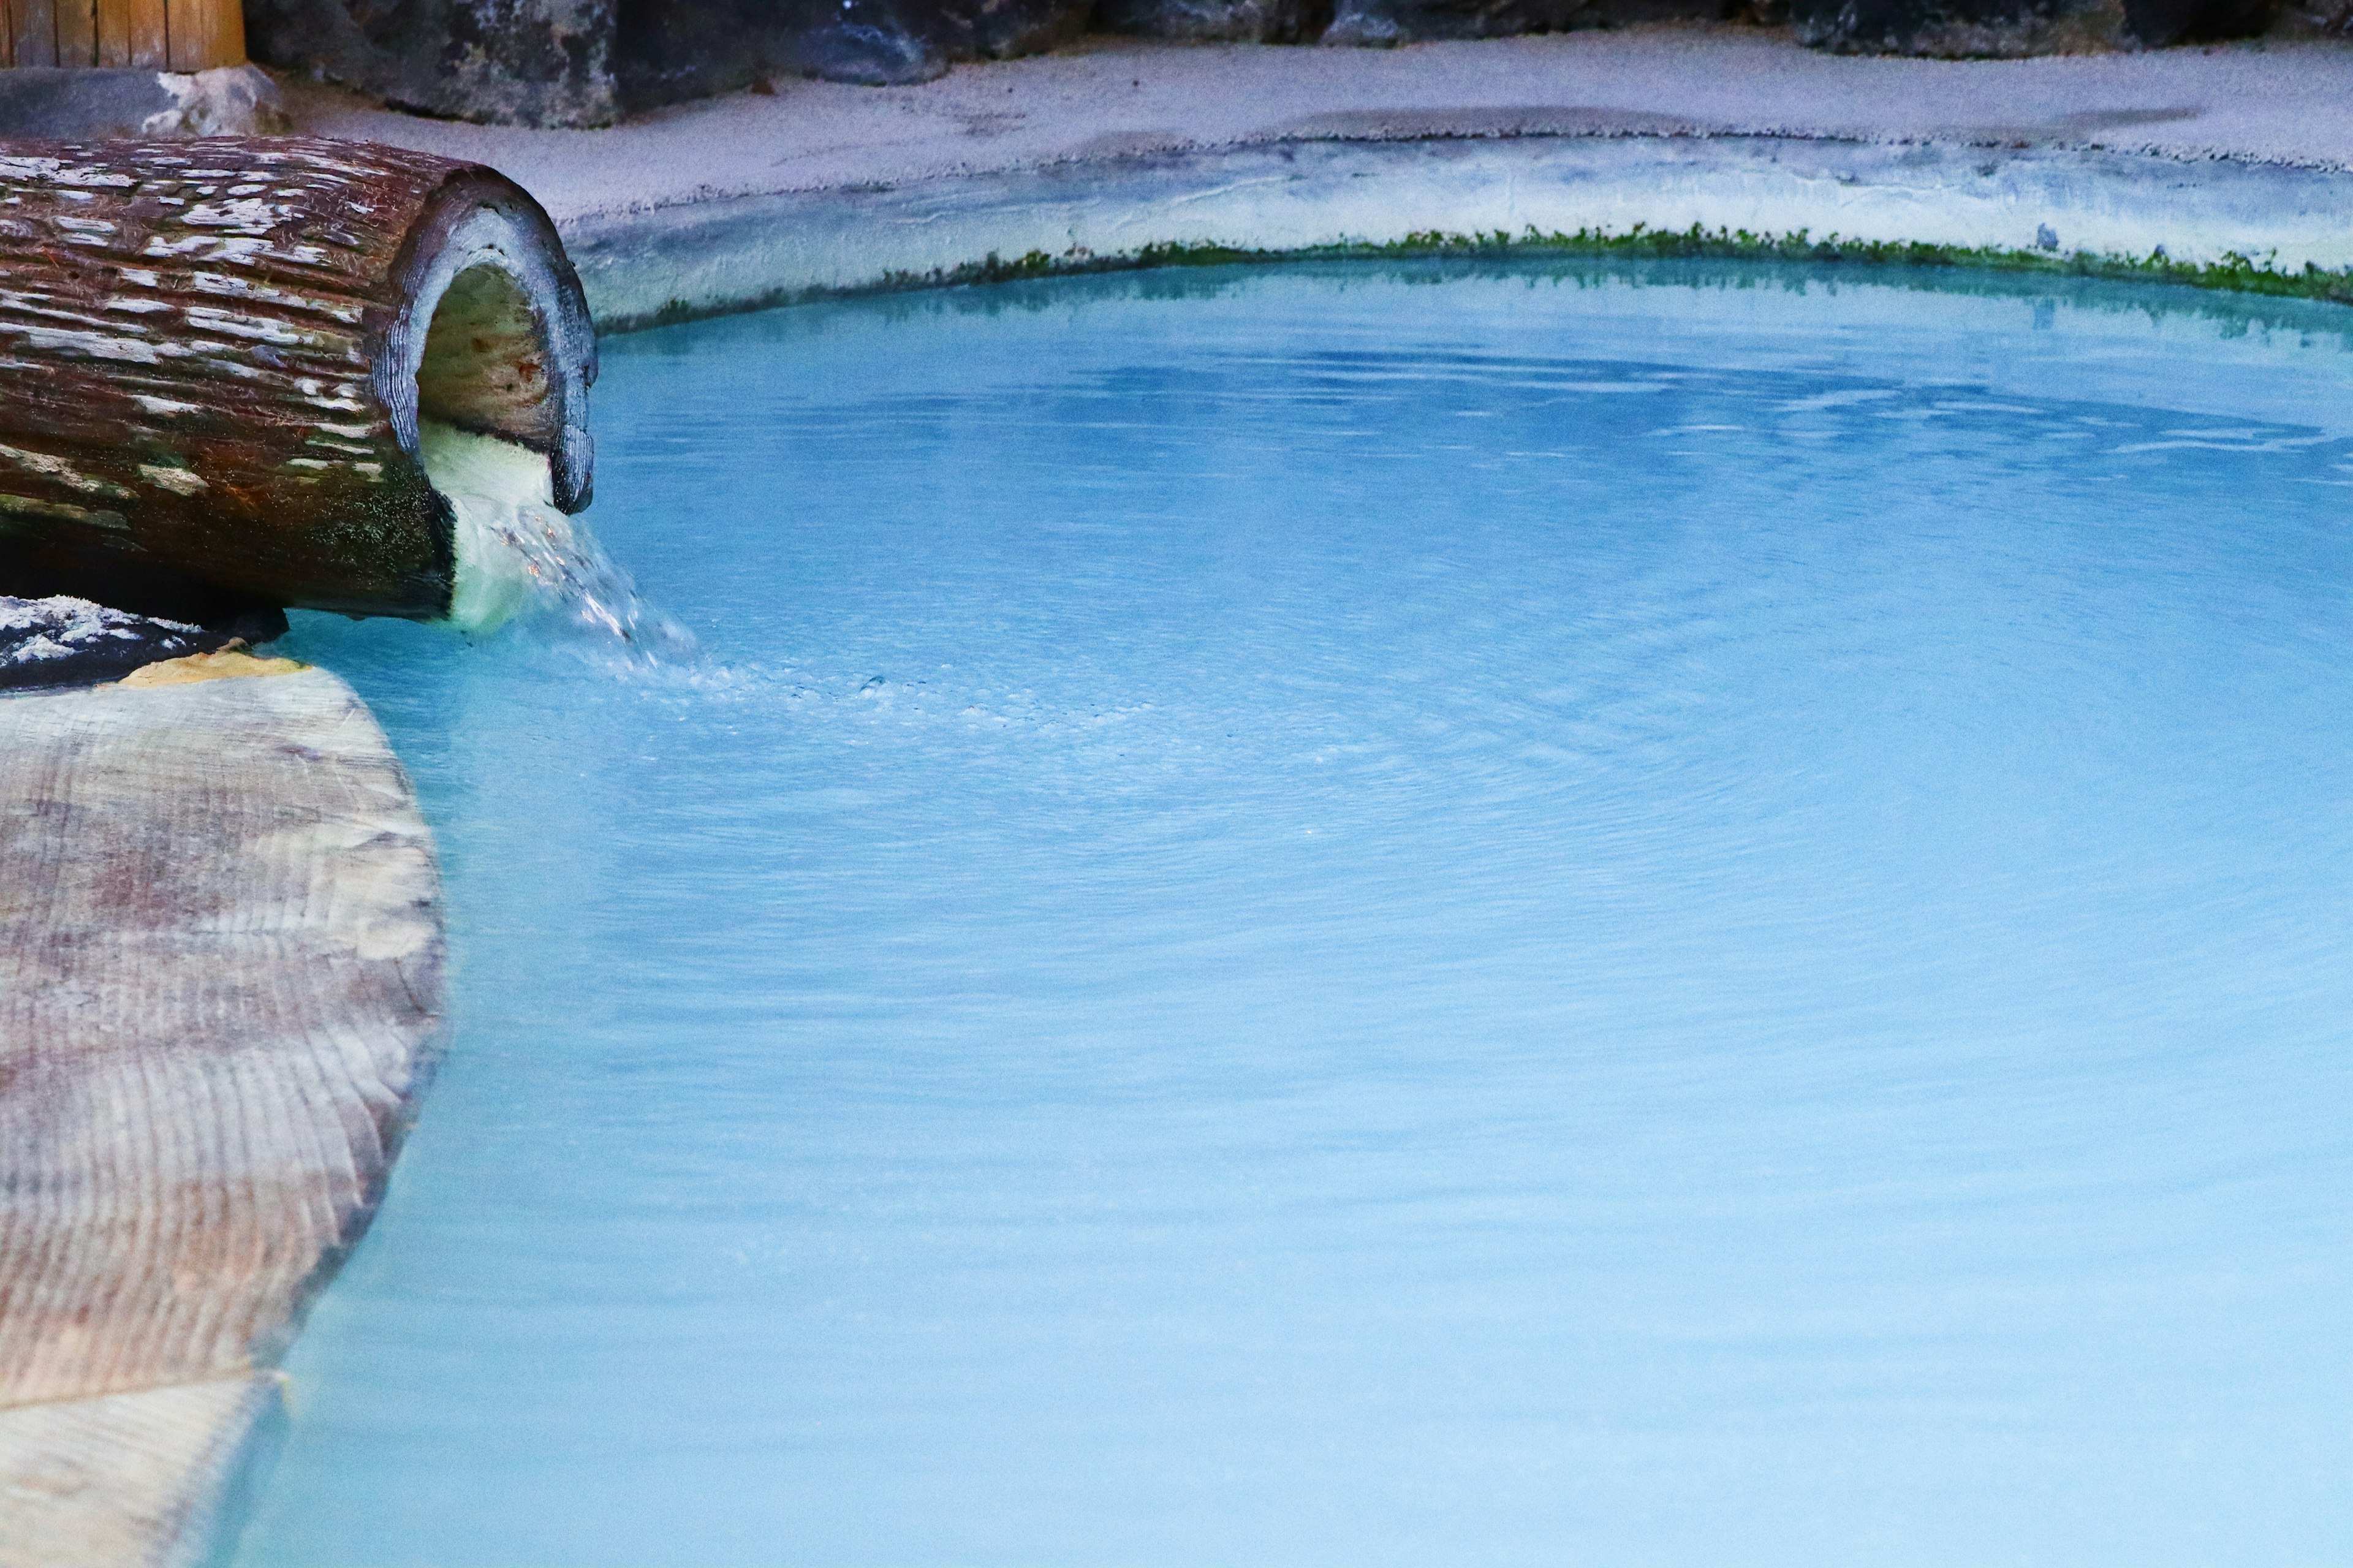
[[2216, 223]]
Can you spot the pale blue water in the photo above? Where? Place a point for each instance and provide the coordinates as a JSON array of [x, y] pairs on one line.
[[1357, 917]]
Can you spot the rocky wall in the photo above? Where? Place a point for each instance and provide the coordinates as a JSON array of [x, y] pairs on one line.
[[667, 51], [516, 62], [586, 62], [1966, 29]]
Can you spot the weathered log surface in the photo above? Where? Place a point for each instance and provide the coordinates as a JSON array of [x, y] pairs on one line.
[[210, 366], [72, 642], [220, 974]]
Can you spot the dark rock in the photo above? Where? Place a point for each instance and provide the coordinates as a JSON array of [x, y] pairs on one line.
[[1959, 29], [76, 103], [1005, 30], [666, 50], [47, 100], [74, 642], [2008, 28], [1221, 21], [1383, 22], [2314, 20], [1637, 13], [582, 62], [867, 55], [514, 62], [2158, 23]]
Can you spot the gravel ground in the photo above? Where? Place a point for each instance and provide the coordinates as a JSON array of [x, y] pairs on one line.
[[2264, 102]]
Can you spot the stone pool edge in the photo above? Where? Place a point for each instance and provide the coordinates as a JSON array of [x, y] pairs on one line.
[[2215, 222]]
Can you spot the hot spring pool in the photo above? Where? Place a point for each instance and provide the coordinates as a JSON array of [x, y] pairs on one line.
[[1559, 914]]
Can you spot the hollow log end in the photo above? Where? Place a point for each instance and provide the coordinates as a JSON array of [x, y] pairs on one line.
[[180, 432], [491, 333]]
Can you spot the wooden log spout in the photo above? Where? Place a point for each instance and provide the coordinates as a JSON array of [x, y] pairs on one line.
[[216, 357]]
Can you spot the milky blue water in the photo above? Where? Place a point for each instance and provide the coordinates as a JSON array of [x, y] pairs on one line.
[[1678, 916]]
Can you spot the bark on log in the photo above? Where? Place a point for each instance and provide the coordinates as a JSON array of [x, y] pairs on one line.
[[214, 356]]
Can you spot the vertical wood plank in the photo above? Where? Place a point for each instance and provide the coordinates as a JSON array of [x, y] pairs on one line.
[[114, 33], [206, 33], [77, 32], [34, 26], [139, 24]]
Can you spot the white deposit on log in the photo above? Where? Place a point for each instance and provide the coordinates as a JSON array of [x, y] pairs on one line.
[[503, 499], [518, 556]]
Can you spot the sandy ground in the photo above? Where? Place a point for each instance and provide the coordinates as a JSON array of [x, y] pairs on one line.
[[2265, 101]]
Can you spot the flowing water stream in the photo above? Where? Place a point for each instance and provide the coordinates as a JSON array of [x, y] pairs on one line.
[[1550, 914], [524, 563]]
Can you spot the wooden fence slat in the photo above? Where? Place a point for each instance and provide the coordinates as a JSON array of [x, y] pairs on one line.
[[160, 35], [77, 32], [205, 34], [132, 33], [114, 34], [34, 26]]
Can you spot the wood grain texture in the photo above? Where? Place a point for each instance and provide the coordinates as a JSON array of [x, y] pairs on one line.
[[205, 34], [124, 1480], [76, 25], [132, 33], [204, 350], [32, 26], [220, 982]]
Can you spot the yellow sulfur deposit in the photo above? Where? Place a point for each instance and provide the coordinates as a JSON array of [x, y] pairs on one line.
[[226, 665]]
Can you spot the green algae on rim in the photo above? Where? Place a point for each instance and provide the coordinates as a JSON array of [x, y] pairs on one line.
[[2235, 273]]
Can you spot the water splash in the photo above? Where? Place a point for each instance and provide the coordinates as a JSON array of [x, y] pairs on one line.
[[525, 567]]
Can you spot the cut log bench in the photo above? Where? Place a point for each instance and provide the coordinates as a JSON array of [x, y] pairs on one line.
[[221, 958], [220, 935]]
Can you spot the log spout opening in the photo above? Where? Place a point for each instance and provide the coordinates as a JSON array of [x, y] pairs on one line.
[[493, 339], [485, 375], [227, 368]]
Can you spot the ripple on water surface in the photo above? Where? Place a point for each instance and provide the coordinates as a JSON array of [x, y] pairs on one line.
[[1672, 916]]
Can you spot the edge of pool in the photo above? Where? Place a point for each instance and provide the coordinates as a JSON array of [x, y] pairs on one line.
[[2235, 160], [2215, 222]]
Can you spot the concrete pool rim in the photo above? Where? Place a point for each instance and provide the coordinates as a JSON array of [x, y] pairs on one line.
[[2028, 212]]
